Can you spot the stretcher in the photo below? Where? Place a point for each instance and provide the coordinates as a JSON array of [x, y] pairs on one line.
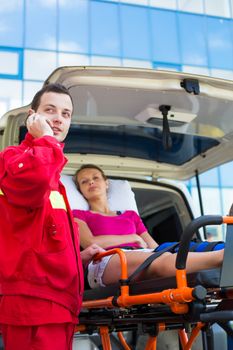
[[188, 303]]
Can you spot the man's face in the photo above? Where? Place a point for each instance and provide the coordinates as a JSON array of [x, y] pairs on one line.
[[57, 108]]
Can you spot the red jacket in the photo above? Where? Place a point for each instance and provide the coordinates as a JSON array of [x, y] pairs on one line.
[[39, 248]]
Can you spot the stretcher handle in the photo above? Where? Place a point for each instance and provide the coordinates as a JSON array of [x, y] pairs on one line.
[[188, 233], [123, 260]]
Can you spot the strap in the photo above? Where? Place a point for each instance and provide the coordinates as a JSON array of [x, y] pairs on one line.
[[203, 246], [211, 245], [149, 260], [193, 246]]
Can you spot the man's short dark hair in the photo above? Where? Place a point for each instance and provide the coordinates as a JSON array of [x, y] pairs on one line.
[[53, 87]]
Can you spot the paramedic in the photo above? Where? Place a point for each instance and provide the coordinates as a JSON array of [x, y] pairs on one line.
[[41, 276]]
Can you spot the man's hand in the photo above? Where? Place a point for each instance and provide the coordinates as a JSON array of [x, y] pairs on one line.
[[39, 126], [88, 253]]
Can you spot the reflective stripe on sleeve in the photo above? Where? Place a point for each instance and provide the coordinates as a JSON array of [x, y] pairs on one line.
[[57, 200]]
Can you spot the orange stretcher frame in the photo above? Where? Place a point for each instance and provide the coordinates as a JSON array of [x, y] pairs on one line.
[[177, 299]]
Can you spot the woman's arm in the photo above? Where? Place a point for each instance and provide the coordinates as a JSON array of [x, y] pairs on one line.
[[149, 240], [88, 253], [142, 231], [104, 241]]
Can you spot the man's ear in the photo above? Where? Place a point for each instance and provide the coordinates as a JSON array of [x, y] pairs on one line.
[[31, 111], [107, 184]]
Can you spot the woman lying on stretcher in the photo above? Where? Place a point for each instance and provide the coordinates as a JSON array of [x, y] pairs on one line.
[[111, 229]]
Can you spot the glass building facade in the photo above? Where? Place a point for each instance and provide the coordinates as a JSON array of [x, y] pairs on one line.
[[36, 36]]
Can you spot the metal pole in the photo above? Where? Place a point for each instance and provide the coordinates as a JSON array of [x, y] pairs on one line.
[[200, 200]]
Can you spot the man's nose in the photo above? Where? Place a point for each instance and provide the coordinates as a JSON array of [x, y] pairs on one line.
[[57, 118]]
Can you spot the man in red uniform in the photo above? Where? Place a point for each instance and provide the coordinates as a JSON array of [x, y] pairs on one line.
[[40, 263]]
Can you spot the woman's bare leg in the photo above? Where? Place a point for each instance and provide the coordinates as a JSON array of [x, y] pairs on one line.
[[163, 266], [195, 262]]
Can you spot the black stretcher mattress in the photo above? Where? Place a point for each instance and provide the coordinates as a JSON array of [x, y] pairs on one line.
[[206, 278]]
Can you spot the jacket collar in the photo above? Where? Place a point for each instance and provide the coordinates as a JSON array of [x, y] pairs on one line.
[[28, 141]]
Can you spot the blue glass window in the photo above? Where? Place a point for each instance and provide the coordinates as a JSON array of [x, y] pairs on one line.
[[11, 94], [164, 36], [105, 38], [220, 43], [193, 39], [11, 63], [226, 174], [38, 65], [135, 32], [227, 199], [73, 26], [211, 201], [11, 23], [166, 66], [210, 178], [40, 25]]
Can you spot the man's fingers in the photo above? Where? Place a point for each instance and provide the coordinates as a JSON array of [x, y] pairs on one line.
[[49, 122], [30, 118]]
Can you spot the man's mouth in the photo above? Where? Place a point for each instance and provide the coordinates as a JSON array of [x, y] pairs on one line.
[[56, 130]]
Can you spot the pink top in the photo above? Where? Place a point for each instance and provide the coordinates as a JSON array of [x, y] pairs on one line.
[[123, 224]]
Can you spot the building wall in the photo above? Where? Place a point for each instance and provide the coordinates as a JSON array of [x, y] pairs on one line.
[[36, 36]]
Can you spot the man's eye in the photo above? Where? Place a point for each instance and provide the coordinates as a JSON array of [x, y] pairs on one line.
[[66, 115]]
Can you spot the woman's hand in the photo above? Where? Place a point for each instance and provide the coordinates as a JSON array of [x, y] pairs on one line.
[[140, 241], [88, 253]]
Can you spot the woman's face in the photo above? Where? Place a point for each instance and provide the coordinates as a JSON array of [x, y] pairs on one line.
[[91, 183]]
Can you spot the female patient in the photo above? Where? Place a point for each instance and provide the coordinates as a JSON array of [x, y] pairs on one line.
[[110, 229]]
